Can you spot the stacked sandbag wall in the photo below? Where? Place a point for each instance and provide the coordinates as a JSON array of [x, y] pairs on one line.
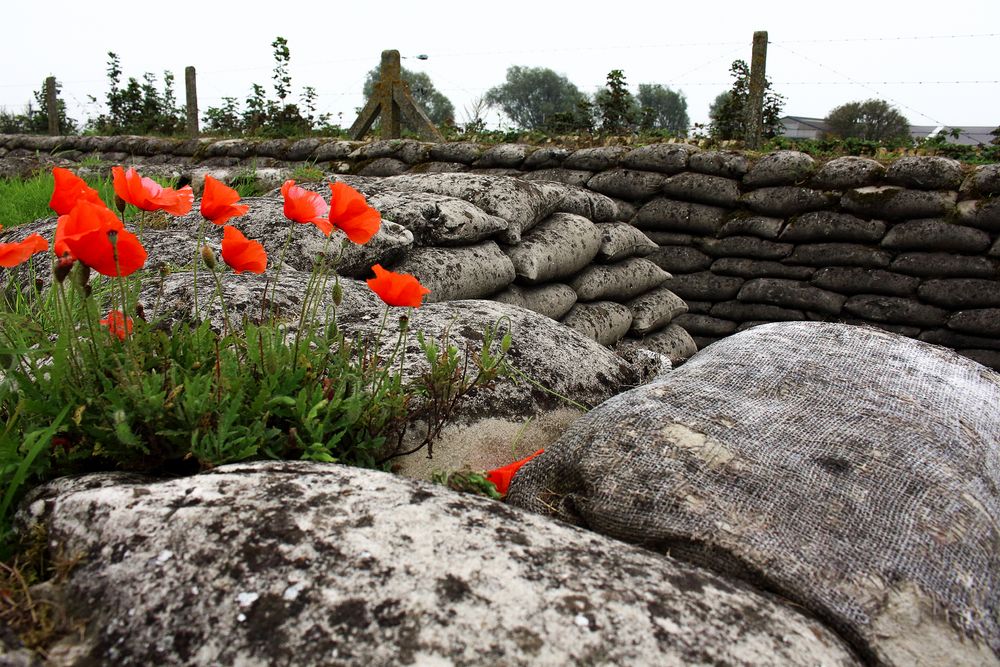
[[910, 247]]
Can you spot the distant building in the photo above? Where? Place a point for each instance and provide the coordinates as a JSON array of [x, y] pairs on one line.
[[801, 127]]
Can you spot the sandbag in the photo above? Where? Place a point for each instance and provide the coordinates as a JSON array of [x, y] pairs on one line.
[[853, 471]]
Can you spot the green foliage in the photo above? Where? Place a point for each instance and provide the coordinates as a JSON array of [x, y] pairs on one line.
[[139, 108], [35, 118], [729, 111], [662, 109], [262, 116], [874, 120], [532, 95], [466, 481], [24, 200], [437, 107], [617, 107]]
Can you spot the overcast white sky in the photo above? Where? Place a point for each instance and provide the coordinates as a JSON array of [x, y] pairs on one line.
[[937, 62]]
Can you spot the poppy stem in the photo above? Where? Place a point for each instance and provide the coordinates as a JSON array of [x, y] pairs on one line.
[[226, 326], [277, 273], [194, 273]]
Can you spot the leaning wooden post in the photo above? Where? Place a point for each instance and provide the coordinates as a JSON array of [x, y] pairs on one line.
[[755, 105], [52, 105], [391, 102], [191, 91]]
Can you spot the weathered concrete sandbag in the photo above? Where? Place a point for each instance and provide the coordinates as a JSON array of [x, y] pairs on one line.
[[557, 247], [936, 235], [627, 183], [791, 294], [699, 324], [679, 259], [620, 240], [982, 182], [516, 417], [982, 213], [857, 280], [890, 201], [567, 176], [620, 281], [865, 493], [786, 200], [705, 286], [731, 164], [848, 172], [752, 268], [597, 158], [752, 225], [603, 321], [945, 265], [664, 158], [553, 300], [704, 189], [579, 200], [839, 254], [672, 342], [437, 219], [926, 172], [960, 293], [822, 226], [654, 310], [469, 272], [745, 246], [519, 202], [308, 564], [894, 309], [677, 216], [780, 168]]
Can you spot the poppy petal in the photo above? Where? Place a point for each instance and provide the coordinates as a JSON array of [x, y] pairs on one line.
[[242, 254], [397, 289], [12, 254], [350, 212], [68, 190], [502, 477]]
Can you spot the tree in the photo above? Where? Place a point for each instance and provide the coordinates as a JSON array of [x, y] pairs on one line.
[[437, 107], [874, 120], [662, 109], [729, 111], [35, 119], [616, 105], [139, 108], [532, 95]]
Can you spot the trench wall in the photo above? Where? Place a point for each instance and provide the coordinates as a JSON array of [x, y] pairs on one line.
[[910, 246]]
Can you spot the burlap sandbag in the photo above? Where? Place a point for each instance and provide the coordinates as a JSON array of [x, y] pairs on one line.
[[853, 471]]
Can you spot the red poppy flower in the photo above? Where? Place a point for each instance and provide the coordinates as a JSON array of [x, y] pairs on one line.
[[148, 195], [241, 253], [69, 189], [218, 202], [397, 289], [502, 477], [301, 205], [12, 254], [118, 324], [350, 213], [86, 234]]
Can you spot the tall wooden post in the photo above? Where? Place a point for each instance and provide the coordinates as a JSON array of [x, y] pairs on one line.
[[755, 105], [191, 92], [52, 105], [391, 103]]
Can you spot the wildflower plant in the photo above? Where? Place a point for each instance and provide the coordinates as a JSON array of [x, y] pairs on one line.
[[89, 381]]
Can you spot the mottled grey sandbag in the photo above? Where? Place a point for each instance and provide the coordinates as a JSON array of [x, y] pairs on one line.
[[853, 471], [296, 563]]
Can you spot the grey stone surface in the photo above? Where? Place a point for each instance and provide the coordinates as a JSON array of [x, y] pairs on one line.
[[620, 281], [894, 309], [323, 564], [703, 189], [504, 155], [664, 158], [705, 286], [439, 168], [893, 202], [468, 272], [595, 159], [780, 168], [982, 182], [603, 321], [664, 214], [791, 294], [754, 268], [839, 254], [752, 225], [960, 293], [983, 322], [730, 164], [936, 235], [847, 172], [945, 265], [925, 172], [823, 226], [745, 246], [384, 166], [858, 280], [680, 259], [741, 311], [704, 325], [787, 200], [627, 183], [559, 246]]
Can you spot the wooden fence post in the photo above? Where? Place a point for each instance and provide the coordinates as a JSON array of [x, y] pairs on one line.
[[52, 105], [755, 105], [191, 91], [390, 103]]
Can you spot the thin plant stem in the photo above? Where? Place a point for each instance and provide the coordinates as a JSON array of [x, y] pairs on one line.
[[277, 274], [194, 274]]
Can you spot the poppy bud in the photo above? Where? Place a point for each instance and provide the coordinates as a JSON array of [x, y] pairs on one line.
[[83, 275], [62, 268], [120, 204], [338, 293], [208, 257], [140, 312], [404, 322]]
